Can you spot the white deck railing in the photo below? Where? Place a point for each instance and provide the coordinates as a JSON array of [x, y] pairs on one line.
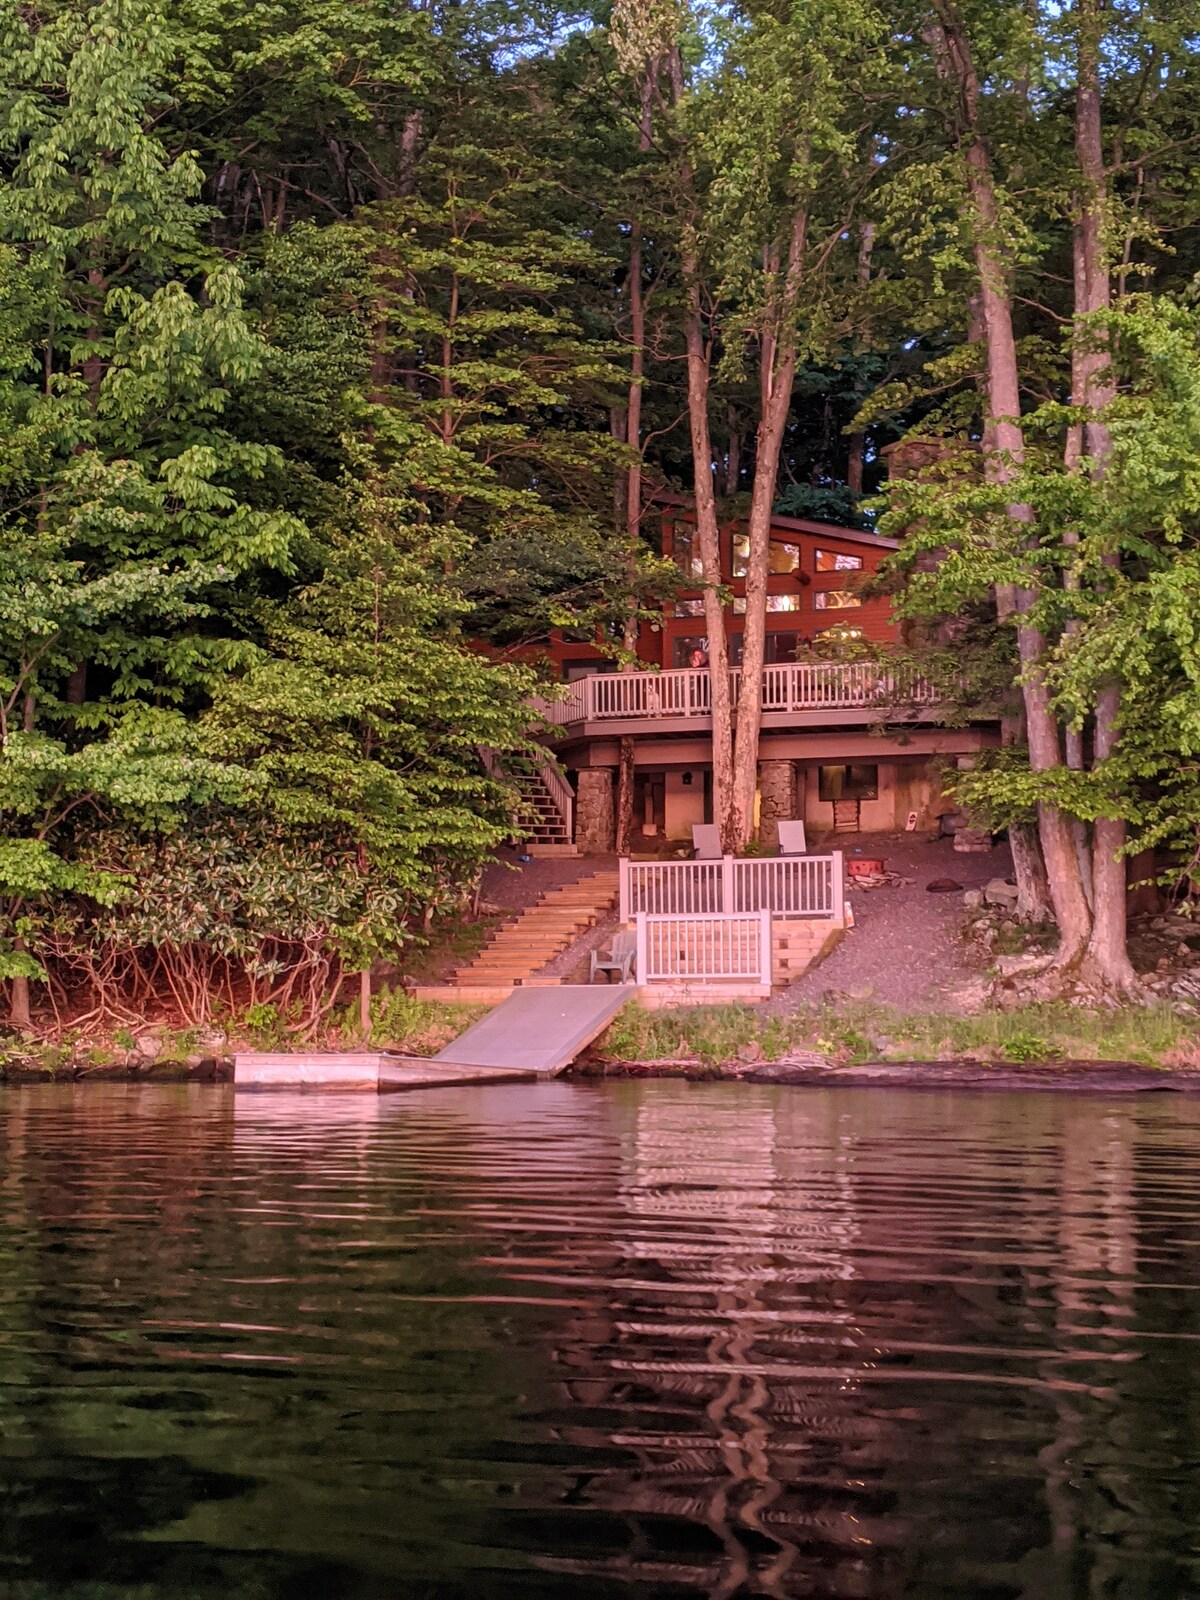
[[791, 686], [788, 886], [704, 948]]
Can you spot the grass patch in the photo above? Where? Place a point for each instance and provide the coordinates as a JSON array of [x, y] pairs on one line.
[[1143, 1035], [702, 1033], [417, 1027]]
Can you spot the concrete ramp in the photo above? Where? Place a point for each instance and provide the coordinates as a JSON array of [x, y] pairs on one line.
[[539, 1030]]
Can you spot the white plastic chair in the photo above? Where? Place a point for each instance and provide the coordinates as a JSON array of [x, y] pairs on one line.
[[792, 839], [706, 841]]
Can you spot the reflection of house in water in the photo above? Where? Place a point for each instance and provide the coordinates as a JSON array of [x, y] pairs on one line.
[[732, 1352], [837, 1342]]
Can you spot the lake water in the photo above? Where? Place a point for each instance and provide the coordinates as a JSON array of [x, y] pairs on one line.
[[650, 1340]]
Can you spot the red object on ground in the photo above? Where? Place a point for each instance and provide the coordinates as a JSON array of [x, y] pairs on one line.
[[862, 867]]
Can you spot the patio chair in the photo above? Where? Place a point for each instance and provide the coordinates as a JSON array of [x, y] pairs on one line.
[[706, 841], [792, 839], [621, 958]]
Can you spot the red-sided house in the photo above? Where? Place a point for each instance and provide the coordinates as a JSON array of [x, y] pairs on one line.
[[845, 744]]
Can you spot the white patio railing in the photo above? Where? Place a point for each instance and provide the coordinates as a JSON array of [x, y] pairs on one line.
[[704, 949], [788, 886], [789, 687]]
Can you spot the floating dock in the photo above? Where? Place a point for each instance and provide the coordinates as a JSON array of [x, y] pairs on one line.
[[536, 1033]]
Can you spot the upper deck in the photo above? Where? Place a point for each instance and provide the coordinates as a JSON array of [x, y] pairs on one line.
[[795, 695]]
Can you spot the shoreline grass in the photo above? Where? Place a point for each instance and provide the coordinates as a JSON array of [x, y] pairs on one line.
[[846, 1033], [1154, 1036]]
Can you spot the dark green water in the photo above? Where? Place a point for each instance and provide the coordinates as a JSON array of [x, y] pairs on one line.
[[655, 1340]]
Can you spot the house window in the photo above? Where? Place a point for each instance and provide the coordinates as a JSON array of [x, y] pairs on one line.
[[685, 549], [574, 670], [777, 647], [689, 608], [835, 561], [836, 600], [690, 650], [775, 602], [849, 783], [782, 558]]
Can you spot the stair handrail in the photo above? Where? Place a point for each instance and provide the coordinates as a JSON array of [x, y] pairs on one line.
[[562, 795]]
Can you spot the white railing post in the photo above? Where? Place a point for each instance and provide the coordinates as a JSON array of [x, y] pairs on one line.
[[623, 880], [728, 886], [838, 909], [765, 950], [640, 968]]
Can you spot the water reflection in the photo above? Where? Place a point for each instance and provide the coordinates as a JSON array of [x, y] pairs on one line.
[[656, 1340]]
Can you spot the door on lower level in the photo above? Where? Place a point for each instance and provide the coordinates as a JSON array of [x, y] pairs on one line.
[[650, 804]]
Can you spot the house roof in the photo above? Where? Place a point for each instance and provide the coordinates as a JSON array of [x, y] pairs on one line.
[[828, 530]]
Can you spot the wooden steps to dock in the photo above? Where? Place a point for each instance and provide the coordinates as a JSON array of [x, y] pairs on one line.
[[521, 947]]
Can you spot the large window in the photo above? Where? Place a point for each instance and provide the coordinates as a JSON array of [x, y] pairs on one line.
[[775, 602], [685, 548], [689, 608], [777, 648], [836, 600], [849, 783], [836, 561], [782, 557], [690, 650]]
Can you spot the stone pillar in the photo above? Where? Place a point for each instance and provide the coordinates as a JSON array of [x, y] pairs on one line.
[[777, 799], [595, 822]]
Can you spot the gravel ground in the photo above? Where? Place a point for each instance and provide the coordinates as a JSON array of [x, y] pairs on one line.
[[905, 947]]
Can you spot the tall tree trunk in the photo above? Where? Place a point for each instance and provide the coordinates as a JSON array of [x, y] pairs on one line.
[[708, 539], [1094, 387], [777, 375], [1004, 461], [708, 533], [637, 369], [858, 439], [733, 456], [625, 776]]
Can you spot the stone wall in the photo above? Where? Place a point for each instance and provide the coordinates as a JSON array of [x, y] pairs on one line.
[[777, 799], [595, 817]]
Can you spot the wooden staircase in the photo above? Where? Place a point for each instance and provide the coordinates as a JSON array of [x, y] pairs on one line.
[[541, 814], [524, 945]]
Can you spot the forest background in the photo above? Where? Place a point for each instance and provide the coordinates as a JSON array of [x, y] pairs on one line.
[[337, 338]]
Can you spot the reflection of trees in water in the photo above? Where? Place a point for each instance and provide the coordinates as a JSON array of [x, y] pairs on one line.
[[760, 1308], [841, 1359]]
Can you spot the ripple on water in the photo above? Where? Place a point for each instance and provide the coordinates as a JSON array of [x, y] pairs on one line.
[[650, 1339]]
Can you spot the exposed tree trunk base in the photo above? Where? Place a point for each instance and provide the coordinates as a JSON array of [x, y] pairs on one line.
[[1033, 894], [19, 1015]]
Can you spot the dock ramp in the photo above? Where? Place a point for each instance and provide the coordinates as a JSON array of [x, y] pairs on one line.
[[539, 1030]]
